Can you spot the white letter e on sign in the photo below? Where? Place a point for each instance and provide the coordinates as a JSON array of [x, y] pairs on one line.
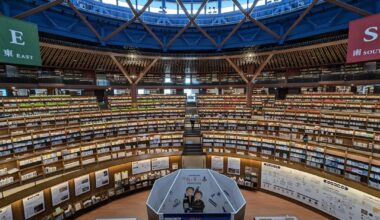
[[17, 37], [371, 34]]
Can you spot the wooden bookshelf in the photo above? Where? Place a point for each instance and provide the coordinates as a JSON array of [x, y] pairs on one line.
[[230, 112], [147, 102], [345, 162], [363, 140], [71, 156], [117, 187], [324, 117], [34, 105], [235, 101], [21, 124]]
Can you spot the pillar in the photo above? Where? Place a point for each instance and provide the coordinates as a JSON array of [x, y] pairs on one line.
[[134, 94], [249, 93]]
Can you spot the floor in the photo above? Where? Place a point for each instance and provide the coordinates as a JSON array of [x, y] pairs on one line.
[[258, 204]]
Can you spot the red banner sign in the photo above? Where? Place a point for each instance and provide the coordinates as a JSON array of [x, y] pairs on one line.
[[364, 39]]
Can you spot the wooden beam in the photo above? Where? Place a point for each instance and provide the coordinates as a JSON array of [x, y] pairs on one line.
[[196, 25], [146, 70], [350, 7], [258, 23], [92, 29], [187, 25], [213, 57], [126, 24], [238, 70], [299, 19], [236, 28], [121, 68], [136, 14], [38, 9], [261, 67]]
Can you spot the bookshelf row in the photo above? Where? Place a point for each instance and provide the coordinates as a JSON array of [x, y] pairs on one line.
[[147, 101], [224, 112], [77, 155], [28, 142], [333, 96], [351, 138], [24, 123], [84, 190], [353, 165], [331, 118], [365, 107], [14, 106]]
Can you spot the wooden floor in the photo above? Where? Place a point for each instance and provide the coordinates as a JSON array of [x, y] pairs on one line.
[[258, 204]]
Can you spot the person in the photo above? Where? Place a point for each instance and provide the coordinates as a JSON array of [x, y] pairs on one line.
[[198, 205], [305, 138], [192, 121], [188, 199]]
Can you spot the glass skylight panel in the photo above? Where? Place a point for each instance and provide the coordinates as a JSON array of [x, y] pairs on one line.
[[171, 8], [112, 2], [227, 6]]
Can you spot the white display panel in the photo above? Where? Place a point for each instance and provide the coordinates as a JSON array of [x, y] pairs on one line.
[[33, 205], [101, 178], [192, 183], [141, 166], [160, 163], [60, 193], [217, 164], [231, 190], [82, 185], [6, 213], [233, 166], [328, 196], [160, 188]]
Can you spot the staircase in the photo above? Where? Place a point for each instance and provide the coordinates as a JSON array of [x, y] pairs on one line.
[[192, 136]]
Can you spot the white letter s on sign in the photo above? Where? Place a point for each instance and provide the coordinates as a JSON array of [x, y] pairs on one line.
[[371, 34]]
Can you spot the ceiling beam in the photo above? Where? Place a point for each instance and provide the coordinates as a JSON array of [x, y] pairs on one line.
[[256, 22], [238, 70], [187, 25], [146, 70], [38, 9], [261, 67], [121, 68], [350, 7], [196, 25], [299, 19], [126, 24], [214, 57], [236, 28], [92, 29], [136, 14]]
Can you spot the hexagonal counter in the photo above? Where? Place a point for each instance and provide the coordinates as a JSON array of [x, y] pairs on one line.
[[195, 193]]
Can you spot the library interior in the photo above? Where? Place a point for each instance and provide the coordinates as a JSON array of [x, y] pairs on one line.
[[189, 109]]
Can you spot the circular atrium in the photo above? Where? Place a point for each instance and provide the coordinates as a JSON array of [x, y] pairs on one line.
[[190, 109]]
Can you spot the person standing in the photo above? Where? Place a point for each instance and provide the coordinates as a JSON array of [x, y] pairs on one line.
[[192, 121]]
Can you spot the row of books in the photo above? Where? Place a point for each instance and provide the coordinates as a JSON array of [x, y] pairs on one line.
[[52, 137], [355, 139], [77, 155], [14, 124], [357, 166], [331, 118]]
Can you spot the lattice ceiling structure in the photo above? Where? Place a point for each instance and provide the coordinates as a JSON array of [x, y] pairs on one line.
[[135, 66], [193, 24]]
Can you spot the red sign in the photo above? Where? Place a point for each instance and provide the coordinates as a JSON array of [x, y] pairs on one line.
[[364, 39]]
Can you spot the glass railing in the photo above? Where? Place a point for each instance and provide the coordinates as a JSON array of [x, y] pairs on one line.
[[162, 19]]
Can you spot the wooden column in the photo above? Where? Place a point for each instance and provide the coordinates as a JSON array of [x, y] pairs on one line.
[[134, 94], [249, 91]]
